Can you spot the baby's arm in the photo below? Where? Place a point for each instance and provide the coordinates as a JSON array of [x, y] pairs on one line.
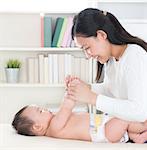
[[63, 115]]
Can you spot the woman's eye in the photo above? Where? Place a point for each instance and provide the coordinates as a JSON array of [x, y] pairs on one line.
[[86, 48]]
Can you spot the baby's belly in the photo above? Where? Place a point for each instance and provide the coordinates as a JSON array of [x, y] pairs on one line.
[[77, 127]]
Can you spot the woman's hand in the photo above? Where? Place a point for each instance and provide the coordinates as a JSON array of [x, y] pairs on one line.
[[69, 79], [79, 91]]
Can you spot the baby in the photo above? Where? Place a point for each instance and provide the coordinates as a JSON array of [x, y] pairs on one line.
[[65, 124]]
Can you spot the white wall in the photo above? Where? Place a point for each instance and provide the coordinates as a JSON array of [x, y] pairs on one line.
[[131, 13], [42, 5]]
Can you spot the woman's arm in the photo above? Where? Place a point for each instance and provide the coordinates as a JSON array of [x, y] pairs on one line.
[[134, 108]]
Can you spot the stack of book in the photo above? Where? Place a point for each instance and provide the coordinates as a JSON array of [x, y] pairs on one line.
[[53, 69], [58, 36]]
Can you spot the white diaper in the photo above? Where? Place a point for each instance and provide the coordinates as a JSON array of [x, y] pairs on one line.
[[98, 133]]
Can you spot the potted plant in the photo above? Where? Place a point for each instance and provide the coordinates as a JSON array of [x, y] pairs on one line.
[[12, 70]]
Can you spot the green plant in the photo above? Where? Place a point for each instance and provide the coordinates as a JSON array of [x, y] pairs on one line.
[[13, 63]]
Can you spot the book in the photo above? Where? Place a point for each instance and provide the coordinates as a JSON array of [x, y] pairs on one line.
[[36, 70], [67, 32], [46, 70], [68, 44], [77, 67], [50, 62], [41, 68], [42, 29], [31, 72], [47, 31], [61, 68], [55, 68], [63, 29], [57, 30], [83, 69]]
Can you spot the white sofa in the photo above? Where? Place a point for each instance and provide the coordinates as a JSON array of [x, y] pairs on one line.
[[9, 140]]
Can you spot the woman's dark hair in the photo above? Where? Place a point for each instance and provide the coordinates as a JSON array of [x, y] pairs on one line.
[[22, 124], [88, 21]]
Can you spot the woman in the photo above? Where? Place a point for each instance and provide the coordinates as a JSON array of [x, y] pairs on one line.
[[123, 57]]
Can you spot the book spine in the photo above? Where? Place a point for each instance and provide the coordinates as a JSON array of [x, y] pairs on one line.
[[47, 31], [83, 69], [58, 27], [46, 70], [63, 29], [31, 70], [67, 32], [61, 68], [42, 29], [41, 68], [36, 70], [77, 68], [66, 64], [50, 60], [55, 68]]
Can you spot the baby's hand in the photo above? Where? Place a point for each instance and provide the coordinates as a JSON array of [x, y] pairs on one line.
[[69, 79]]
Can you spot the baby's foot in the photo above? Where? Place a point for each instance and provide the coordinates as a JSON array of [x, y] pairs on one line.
[[142, 138]]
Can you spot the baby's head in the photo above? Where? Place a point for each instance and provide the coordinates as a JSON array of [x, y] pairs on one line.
[[32, 121]]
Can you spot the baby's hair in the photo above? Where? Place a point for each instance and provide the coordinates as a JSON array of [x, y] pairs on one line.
[[22, 124]]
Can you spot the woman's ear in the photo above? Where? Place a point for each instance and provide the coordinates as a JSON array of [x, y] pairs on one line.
[[101, 35]]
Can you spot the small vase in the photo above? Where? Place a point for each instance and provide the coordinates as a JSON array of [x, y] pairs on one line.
[[12, 75]]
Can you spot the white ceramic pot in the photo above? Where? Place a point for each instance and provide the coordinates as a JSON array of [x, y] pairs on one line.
[[12, 75]]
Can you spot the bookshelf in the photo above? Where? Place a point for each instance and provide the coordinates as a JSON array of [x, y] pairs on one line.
[[21, 38], [17, 42]]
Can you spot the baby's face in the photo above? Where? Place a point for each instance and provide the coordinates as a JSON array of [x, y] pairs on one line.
[[38, 115]]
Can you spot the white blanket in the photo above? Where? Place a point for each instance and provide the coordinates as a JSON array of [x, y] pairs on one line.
[[9, 140]]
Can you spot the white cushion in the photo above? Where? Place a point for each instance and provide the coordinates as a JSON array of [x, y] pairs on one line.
[[9, 140]]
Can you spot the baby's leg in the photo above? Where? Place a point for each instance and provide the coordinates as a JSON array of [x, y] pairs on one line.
[[115, 129], [138, 131], [135, 130], [133, 135], [141, 138], [137, 127]]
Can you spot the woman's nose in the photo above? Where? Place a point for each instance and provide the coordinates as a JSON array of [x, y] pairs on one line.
[[88, 56]]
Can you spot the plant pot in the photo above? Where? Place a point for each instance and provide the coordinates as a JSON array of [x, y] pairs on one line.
[[12, 75]]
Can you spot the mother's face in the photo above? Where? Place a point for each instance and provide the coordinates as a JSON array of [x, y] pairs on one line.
[[96, 47]]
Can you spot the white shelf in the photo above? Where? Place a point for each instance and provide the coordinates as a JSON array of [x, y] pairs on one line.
[[30, 85], [29, 12], [137, 21], [122, 1], [50, 49]]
